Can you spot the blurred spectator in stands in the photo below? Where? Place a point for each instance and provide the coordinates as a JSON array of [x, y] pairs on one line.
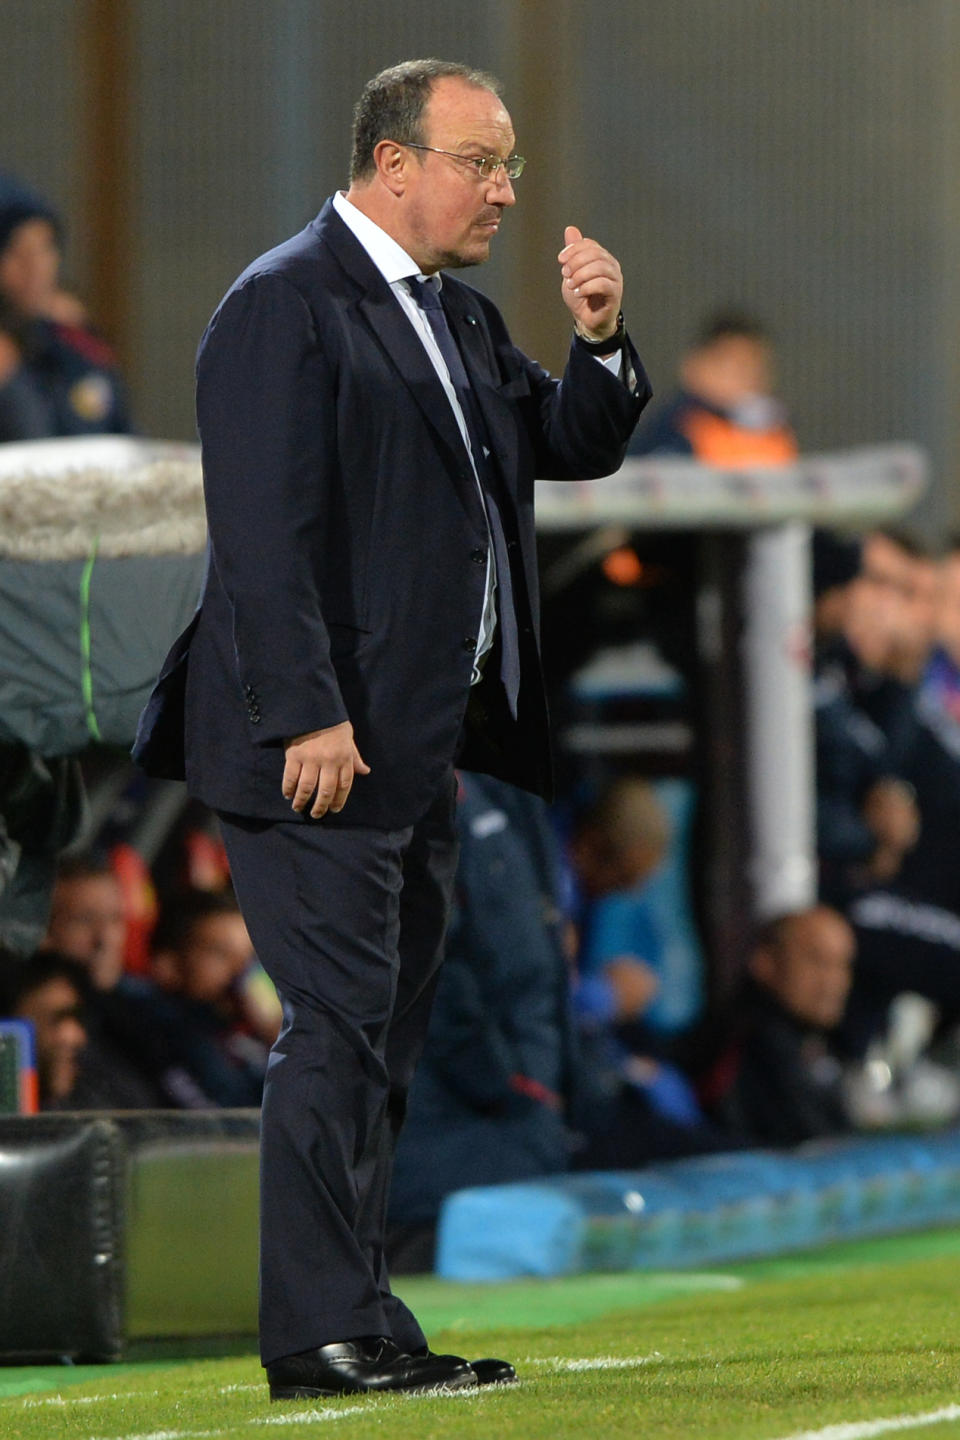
[[726, 411], [895, 561], [615, 846], [491, 1097], [638, 1105], [48, 991], [888, 780], [775, 1080], [908, 929], [867, 817], [87, 920], [212, 1030], [88, 926], [57, 377], [941, 681], [76, 1070]]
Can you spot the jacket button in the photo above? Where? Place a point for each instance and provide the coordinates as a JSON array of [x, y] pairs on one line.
[[478, 556], [511, 544], [469, 642]]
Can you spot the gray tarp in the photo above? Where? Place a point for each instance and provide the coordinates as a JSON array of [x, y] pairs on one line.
[[56, 692]]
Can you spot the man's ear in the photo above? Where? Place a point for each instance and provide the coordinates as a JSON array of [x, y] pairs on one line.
[[165, 969], [762, 965], [391, 161]]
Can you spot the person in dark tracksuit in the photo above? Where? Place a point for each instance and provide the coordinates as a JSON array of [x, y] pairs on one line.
[[490, 1100]]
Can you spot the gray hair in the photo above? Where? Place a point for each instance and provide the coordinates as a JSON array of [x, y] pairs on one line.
[[392, 104]]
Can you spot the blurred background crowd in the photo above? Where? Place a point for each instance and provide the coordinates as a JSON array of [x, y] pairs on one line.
[[582, 1019]]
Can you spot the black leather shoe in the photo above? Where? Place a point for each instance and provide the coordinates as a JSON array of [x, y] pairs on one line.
[[351, 1367], [488, 1372]]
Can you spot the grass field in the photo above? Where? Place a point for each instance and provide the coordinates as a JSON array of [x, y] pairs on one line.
[[844, 1344]]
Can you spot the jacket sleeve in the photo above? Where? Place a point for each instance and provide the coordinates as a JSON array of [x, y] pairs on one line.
[[264, 408], [586, 420], [579, 427]]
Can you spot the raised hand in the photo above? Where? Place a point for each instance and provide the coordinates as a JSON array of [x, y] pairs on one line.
[[592, 286]]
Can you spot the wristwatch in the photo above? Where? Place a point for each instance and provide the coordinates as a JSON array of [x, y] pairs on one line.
[[607, 346]]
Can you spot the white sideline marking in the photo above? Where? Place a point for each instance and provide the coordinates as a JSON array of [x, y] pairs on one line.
[[168, 1435], [329, 1413], [864, 1429], [59, 1399], [302, 1417], [595, 1362], [692, 1280]]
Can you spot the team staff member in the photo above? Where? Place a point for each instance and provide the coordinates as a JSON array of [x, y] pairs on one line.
[[57, 376], [370, 441]]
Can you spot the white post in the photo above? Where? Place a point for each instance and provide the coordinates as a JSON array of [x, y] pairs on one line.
[[780, 742]]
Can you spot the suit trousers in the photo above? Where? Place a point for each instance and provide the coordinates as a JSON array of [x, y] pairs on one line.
[[349, 923]]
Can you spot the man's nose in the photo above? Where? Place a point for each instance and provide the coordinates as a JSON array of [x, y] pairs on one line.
[[72, 1035], [501, 190]]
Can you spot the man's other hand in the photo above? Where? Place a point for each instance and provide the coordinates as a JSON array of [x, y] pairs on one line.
[[592, 285], [320, 767]]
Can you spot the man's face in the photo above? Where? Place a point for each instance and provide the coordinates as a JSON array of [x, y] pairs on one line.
[[54, 1011], [812, 969], [218, 951], [450, 213], [906, 587], [948, 610], [87, 923], [732, 369], [29, 266]]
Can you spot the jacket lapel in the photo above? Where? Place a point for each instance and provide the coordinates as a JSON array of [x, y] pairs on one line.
[[392, 330], [470, 333]]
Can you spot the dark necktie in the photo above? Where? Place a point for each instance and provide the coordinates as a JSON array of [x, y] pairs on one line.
[[427, 296]]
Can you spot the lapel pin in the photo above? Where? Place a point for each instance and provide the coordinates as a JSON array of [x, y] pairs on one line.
[[470, 319]]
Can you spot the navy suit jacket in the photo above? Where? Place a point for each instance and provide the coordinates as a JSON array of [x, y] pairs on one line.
[[348, 538]]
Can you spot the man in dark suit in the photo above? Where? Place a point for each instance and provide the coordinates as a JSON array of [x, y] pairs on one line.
[[370, 615]]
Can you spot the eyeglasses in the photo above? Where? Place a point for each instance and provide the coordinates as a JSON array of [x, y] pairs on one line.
[[486, 166]]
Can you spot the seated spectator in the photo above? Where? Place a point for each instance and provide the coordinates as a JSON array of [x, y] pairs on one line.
[[490, 1099], [614, 847], [726, 411], [903, 895], [196, 1034], [87, 920], [212, 1036], [634, 970], [48, 991], [941, 680], [57, 377], [638, 1105], [88, 926], [776, 1081], [867, 817]]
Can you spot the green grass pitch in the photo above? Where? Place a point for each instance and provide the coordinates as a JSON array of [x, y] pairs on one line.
[[844, 1344]]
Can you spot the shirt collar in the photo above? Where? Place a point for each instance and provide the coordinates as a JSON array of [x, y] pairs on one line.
[[391, 259]]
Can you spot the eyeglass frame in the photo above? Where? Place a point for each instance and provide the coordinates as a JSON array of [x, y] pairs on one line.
[[477, 161]]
